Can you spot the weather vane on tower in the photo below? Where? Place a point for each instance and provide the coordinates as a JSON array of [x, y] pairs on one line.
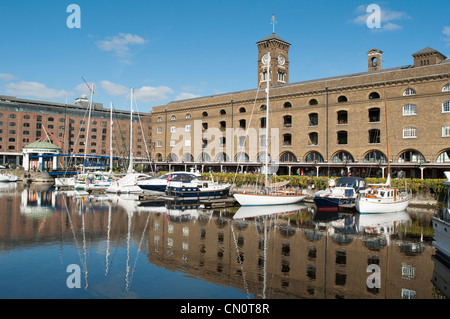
[[273, 22]]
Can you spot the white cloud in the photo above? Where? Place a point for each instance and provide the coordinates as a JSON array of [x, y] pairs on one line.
[[152, 94], [35, 90], [7, 77], [386, 17], [113, 88], [120, 44], [83, 89], [185, 96]]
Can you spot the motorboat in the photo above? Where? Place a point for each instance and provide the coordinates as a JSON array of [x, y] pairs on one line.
[[382, 199], [339, 196], [441, 224], [157, 186], [7, 177], [128, 184], [188, 186]]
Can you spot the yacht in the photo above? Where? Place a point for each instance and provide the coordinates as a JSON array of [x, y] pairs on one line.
[[157, 186], [340, 196], [195, 187]]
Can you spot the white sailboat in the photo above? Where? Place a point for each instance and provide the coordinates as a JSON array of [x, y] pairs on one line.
[[382, 198], [269, 196], [129, 183]]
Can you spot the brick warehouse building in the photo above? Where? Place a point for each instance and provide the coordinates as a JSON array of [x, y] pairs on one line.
[[327, 126], [25, 121]]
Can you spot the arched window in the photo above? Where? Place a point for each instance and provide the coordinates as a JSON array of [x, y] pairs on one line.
[[409, 92], [342, 99], [172, 157], [242, 157], [288, 157], [374, 61], [444, 157], [242, 124], [375, 156], [262, 158], [263, 107], [410, 132], [159, 157], [446, 88], [173, 118], [242, 110], [204, 157], [223, 112], [287, 105], [314, 157], [343, 156], [159, 119], [188, 116], [409, 156], [187, 157], [222, 157], [313, 102], [374, 95], [205, 114]]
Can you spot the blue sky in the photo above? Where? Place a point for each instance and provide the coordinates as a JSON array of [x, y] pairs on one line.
[[169, 50]]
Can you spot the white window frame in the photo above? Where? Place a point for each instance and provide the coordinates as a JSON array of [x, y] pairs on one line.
[[410, 132], [173, 129], [188, 116], [159, 130], [159, 119], [187, 128], [446, 88], [446, 107], [172, 143], [173, 118], [446, 131], [409, 109], [187, 143], [409, 92], [158, 143]]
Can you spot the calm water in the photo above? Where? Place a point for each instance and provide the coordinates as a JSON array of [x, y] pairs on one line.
[[110, 247]]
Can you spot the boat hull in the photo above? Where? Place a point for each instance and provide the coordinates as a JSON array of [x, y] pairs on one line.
[[367, 206], [331, 203], [8, 178], [197, 193], [441, 237], [258, 200]]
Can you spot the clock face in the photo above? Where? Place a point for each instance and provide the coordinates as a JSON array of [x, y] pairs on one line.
[[281, 59], [265, 59]]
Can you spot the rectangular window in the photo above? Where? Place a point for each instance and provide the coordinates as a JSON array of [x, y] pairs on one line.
[[187, 128], [409, 109], [409, 132], [159, 143], [446, 131], [159, 130], [446, 107], [172, 143], [187, 143]]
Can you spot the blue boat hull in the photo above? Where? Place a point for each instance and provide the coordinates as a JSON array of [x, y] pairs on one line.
[[331, 204]]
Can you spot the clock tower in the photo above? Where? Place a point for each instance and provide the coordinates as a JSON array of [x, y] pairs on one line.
[[279, 60]]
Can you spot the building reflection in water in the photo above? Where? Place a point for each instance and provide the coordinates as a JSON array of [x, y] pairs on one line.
[[277, 252]]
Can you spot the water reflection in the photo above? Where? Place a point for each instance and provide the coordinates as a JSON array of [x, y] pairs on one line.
[[129, 248]]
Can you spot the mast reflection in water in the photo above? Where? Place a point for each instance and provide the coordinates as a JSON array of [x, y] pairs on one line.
[[127, 250]]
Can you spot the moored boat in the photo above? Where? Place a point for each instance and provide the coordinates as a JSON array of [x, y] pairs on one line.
[[441, 224], [340, 196], [187, 186]]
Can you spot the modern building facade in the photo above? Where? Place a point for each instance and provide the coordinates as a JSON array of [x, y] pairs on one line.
[[329, 126]]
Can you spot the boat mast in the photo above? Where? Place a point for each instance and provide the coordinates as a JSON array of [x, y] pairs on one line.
[[387, 137], [267, 119], [130, 166], [88, 126], [110, 140]]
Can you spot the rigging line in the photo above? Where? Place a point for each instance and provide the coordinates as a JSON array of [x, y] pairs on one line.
[[240, 262], [142, 130], [139, 248], [121, 135], [246, 134]]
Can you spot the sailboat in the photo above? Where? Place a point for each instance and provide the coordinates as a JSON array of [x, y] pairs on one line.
[[129, 183], [270, 195], [382, 198]]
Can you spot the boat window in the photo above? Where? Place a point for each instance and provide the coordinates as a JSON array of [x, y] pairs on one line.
[[164, 176]]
